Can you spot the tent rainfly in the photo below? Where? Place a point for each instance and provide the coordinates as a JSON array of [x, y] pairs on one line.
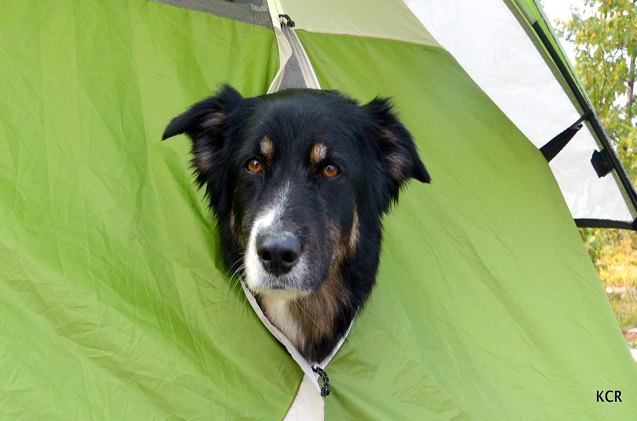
[[113, 301]]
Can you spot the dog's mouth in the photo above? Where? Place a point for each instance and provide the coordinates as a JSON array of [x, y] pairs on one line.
[[279, 290], [261, 279]]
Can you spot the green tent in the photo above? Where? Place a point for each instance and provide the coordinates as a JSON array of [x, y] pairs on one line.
[[113, 300]]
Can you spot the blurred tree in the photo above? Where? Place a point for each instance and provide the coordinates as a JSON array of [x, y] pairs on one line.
[[605, 38]]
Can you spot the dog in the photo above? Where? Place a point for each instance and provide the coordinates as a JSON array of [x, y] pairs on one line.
[[299, 181]]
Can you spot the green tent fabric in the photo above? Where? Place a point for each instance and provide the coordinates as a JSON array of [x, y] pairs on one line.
[[112, 304], [113, 300], [484, 283]]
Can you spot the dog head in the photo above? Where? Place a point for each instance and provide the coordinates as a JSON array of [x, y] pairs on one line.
[[296, 178]]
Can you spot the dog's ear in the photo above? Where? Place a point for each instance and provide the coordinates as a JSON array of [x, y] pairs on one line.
[[205, 123], [204, 115], [395, 143]]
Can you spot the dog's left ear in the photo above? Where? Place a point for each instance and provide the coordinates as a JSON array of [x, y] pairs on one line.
[[396, 145]]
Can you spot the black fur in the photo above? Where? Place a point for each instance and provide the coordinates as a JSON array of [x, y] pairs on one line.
[[374, 152]]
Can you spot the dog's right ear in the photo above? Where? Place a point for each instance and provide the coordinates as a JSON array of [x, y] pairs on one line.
[[204, 115], [205, 124]]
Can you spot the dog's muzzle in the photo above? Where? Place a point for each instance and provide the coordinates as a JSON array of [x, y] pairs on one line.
[[278, 253]]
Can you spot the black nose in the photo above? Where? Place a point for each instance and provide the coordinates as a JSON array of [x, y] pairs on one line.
[[278, 252]]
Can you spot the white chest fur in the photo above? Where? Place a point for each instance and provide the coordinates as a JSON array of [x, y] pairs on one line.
[[278, 312]]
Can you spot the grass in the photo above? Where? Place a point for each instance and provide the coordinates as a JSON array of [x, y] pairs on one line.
[[624, 304]]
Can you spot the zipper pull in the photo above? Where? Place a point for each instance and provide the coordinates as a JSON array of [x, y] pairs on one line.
[[325, 389], [287, 20]]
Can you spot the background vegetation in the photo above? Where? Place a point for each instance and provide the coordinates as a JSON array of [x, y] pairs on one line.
[[604, 34]]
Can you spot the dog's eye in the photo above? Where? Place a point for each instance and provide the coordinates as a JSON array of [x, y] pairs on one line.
[[254, 166], [330, 170]]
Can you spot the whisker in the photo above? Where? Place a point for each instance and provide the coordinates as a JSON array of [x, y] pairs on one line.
[[236, 276], [305, 312]]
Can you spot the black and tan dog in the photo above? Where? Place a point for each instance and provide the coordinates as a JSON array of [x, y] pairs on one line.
[[299, 181]]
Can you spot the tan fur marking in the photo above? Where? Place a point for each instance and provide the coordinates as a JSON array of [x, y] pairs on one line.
[[318, 153], [267, 147], [397, 166], [397, 163], [203, 161], [214, 120], [353, 234], [389, 135], [243, 230], [232, 222], [315, 314]]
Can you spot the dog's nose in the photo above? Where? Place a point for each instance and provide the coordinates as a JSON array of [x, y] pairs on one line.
[[278, 252]]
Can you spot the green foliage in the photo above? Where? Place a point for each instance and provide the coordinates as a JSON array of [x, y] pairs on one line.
[[605, 38], [624, 306]]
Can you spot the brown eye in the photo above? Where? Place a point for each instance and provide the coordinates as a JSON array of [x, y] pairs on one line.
[[254, 166], [330, 170]]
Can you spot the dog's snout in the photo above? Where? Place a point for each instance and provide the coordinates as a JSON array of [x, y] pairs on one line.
[[278, 252]]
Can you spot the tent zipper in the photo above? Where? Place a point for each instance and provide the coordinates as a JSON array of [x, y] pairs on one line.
[[296, 70], [313, 370], [309, 77]]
